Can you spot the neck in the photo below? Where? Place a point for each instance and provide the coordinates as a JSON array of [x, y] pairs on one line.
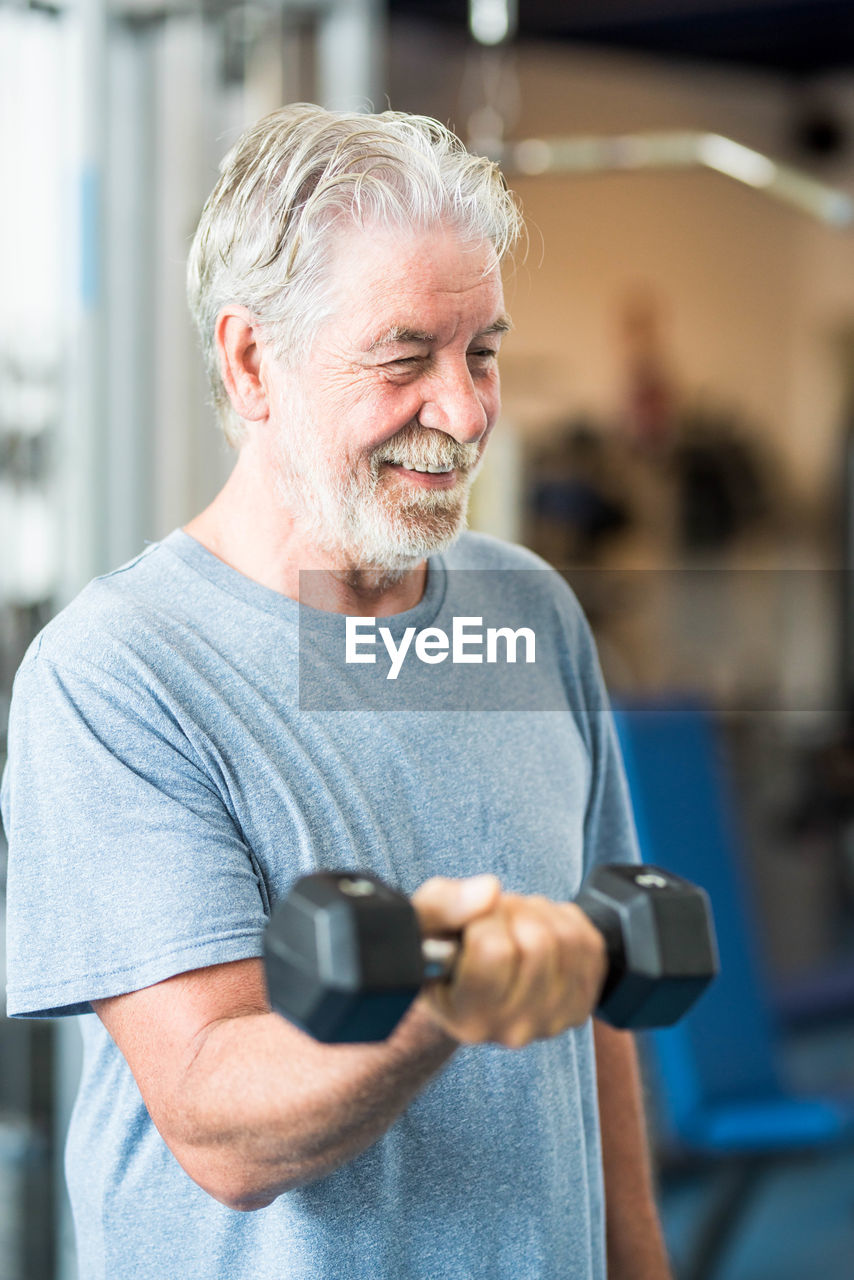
[[248, 530]]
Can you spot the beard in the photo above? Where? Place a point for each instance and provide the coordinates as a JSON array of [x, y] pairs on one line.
[[366, 516]]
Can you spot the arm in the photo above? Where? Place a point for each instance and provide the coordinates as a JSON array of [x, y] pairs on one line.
[[636, 1249], [251, 1107]]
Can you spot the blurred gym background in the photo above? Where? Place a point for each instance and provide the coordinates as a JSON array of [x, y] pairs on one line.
[[677, 437]]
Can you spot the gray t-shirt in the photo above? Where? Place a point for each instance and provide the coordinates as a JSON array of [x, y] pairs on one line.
[[183, 744]]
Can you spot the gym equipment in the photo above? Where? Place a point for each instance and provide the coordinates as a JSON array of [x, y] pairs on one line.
[[344, 956]]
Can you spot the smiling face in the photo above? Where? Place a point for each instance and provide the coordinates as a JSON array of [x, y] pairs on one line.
[[380, 434]]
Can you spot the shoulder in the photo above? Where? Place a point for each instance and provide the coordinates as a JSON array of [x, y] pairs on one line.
[[112, 673], [116, 617]]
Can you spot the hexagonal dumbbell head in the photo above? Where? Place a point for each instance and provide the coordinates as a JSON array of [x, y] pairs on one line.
[[342, 954], [661, 943]]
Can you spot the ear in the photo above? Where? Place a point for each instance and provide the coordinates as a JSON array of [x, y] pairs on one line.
[[240, 346]]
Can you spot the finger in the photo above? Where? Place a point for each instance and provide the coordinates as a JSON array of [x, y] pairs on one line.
[[583, 965], [472, 1002], [447, 906], [560, 972], [534, 1003]]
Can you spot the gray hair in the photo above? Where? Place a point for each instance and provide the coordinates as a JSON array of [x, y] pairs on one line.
[[261, 238]]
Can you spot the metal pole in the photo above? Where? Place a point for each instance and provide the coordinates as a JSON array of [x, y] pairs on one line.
[[83, 427], [130, 275]]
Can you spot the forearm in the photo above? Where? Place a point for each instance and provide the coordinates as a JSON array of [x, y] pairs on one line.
[[636, 1249], [262, 1109]]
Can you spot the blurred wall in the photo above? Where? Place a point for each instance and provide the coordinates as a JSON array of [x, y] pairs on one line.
[[752, 293]]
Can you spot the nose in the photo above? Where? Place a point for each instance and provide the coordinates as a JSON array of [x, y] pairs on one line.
[[454, 405]]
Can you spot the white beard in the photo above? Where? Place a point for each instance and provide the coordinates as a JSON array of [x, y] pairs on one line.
[[352, 511]]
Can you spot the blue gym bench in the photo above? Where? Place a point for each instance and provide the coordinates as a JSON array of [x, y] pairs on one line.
[[718, 1095]]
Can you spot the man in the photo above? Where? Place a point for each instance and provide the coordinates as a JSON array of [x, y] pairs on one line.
[[166, 785]]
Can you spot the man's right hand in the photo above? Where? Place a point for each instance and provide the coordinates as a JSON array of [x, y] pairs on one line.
[[529, 968]]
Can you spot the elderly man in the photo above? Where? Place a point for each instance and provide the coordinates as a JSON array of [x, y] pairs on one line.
[[166, 785]]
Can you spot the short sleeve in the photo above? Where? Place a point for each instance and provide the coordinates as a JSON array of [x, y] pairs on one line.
[[610, 834], [125, 866]]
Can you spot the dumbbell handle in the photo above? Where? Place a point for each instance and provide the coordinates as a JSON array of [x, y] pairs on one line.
[[440, 956]]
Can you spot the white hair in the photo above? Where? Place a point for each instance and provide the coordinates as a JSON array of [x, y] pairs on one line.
[[262, 240]]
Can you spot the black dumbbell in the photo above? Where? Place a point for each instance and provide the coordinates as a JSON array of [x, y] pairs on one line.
[[344, 956]]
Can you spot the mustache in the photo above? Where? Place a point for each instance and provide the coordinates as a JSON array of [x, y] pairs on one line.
[[417, 446]]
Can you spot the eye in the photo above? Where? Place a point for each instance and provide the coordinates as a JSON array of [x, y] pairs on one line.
[[483, 353], [404, 364]]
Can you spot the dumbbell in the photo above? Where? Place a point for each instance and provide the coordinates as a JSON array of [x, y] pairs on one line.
[[344, 956]]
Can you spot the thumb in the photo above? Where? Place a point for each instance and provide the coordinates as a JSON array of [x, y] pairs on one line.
[[447, 906]]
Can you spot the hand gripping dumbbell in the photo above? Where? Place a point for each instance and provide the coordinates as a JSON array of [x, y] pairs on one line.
[[345, 958]]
